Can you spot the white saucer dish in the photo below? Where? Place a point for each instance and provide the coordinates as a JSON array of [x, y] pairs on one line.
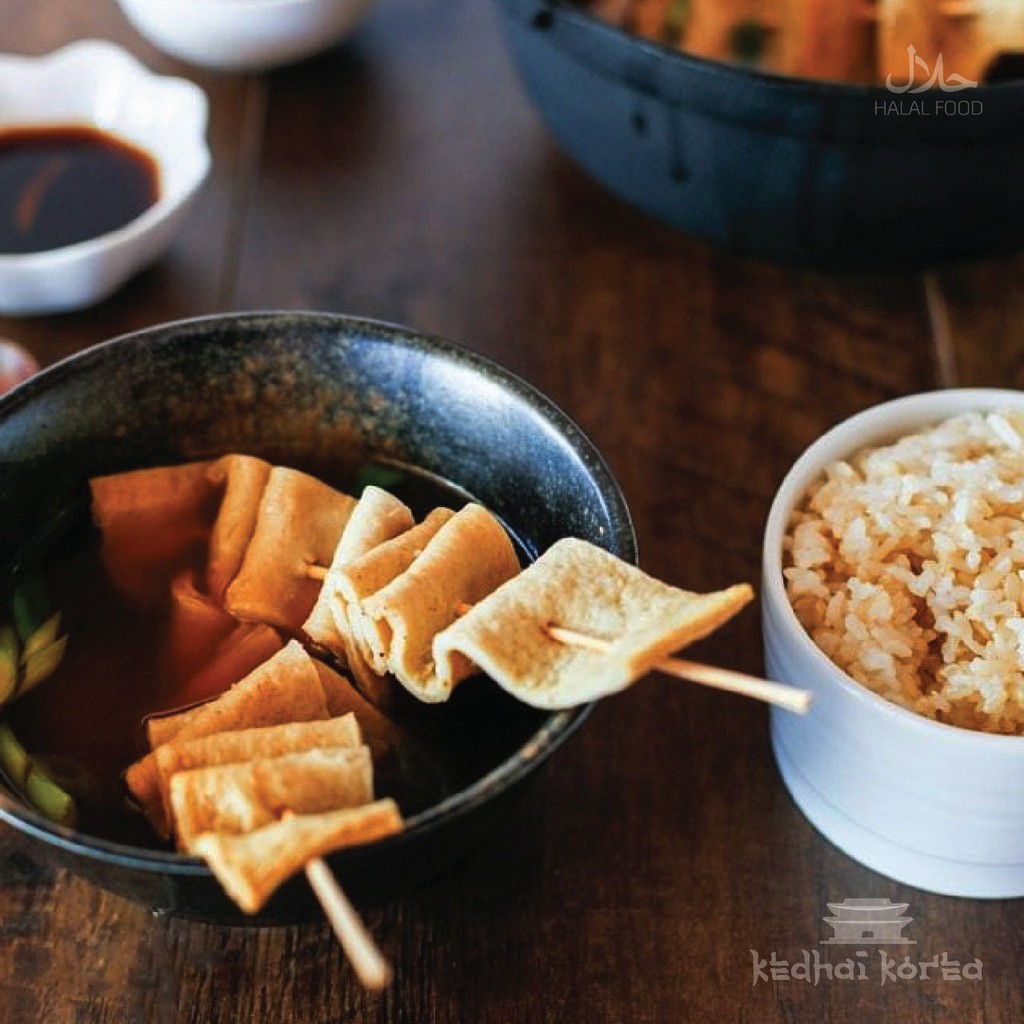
[[98, 85], [243, 35], [925, 803]]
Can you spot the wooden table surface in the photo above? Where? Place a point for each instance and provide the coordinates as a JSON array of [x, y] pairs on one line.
[[405, 176]]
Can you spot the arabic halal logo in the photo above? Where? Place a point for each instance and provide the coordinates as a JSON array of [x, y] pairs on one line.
[[857, 921], [936, 76]]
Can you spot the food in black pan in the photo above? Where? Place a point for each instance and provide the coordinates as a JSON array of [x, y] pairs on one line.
[[903, 43]]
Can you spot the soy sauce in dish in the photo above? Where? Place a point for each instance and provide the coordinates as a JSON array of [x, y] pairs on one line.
[[84, 723], [63, 184]]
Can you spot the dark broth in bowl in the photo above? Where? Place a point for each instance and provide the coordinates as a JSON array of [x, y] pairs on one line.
[[84, 724]]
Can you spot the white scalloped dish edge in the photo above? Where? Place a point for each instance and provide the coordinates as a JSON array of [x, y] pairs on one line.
[[97, 84]]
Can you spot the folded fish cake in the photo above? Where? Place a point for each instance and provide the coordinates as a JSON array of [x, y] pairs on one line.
[[955, 42], [299, 524], [465, 561], [379, 732], [581, 587], [285, 688], [244, 745], [244, 649], [358, 580], [151, 520], [243, 479], [251, 866], [196, 625], [236, 798], [377, 517]]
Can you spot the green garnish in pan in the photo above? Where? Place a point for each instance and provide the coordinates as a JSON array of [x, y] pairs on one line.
[[30, 607], [38, 663], [30, 645], [10, 659], [749, 40], [30, 650], [376, 475], [33, 783], [677, 17]]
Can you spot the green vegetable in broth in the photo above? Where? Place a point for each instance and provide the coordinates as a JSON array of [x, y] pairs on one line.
[[677, 17], [30, 607], [45, 636], [749, 39], [30, 645], [40, 663], [28, 777], [376, 475], [9, 662]]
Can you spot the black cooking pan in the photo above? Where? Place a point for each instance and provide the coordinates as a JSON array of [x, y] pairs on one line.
[[312, 391], [815, 173]]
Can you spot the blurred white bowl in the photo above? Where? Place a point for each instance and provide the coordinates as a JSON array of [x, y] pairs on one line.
[[97, 84], [243, 35], [925, 803]]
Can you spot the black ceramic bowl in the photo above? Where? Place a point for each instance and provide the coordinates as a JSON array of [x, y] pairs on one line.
[[310, 390], [815, 173]]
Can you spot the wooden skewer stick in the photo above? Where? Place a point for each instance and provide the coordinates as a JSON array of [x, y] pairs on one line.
[[369, 963], [789, 697]]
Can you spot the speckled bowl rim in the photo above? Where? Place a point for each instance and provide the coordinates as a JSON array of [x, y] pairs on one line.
[[556, 728]]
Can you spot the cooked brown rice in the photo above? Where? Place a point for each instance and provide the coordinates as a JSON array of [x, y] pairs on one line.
[[906, 565]]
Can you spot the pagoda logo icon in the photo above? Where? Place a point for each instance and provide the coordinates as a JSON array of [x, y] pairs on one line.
[[861, 924], [857, 921]]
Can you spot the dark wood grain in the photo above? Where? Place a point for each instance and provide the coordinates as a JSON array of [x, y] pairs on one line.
[[405, 176], [984, 307]]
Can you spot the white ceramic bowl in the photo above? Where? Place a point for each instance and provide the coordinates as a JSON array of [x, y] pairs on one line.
[[97, 84], [928, 804], [243, 35]]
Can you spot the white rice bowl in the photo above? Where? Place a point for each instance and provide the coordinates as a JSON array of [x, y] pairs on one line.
[[905, 564]]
